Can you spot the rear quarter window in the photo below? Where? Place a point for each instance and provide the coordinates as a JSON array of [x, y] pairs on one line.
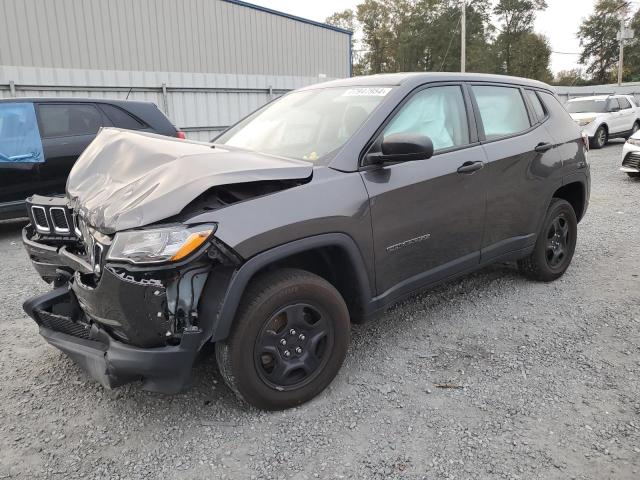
[[502, 110], [624, 103], [69, 120], [554, 107], [122, 119], [536, 104]]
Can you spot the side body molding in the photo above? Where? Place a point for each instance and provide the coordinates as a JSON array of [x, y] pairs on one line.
[[241, 277]]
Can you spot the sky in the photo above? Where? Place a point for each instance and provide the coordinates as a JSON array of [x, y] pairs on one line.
[[559, 22]]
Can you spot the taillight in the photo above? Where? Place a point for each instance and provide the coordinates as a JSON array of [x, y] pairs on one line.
[[181, 135]]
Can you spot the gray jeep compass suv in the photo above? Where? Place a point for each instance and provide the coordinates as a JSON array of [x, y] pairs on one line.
[[323, 207]]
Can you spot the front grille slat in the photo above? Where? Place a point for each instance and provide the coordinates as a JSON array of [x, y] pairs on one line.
[[59, 220], [40, 219]]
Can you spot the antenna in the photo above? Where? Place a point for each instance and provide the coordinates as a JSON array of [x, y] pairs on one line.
[[128, 93]]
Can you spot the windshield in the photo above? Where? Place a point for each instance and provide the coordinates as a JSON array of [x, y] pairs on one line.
[[306, 125], [587, 106]]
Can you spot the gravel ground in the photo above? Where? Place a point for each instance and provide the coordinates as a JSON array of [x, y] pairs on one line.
[[544, 376]]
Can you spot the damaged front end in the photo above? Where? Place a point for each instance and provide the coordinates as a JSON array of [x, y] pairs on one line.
[[121, 314]]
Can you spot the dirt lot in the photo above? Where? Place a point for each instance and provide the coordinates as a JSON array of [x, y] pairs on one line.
[[548, 378]]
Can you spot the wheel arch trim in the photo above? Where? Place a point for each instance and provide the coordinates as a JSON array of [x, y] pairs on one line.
[[242, 276]]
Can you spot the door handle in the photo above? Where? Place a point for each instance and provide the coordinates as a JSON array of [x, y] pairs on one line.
[[543, 147], [470, 167]]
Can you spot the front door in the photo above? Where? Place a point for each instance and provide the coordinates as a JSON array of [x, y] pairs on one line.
[[428, 215]]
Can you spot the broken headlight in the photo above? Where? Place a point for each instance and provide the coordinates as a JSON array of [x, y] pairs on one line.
[[165, 244]]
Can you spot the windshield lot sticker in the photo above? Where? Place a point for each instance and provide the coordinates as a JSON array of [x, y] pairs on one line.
[[367, 92]]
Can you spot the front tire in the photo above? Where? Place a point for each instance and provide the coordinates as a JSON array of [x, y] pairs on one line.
[[289, 339], [633, 174], [600, 139], [555, 245], [634, 129]]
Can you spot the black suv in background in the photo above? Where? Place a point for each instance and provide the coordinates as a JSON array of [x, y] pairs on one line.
[[41, 138], [324, 207]]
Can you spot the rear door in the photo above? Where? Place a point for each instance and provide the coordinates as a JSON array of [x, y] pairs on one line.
[[616, 122], [428, 215], [21, 152], [66, 129], [627, 114], [520, 156]]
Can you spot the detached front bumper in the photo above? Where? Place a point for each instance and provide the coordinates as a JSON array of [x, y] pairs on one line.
[[128, 324], [112, 363]]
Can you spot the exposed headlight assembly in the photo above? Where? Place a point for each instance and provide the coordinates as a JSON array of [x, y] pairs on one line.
[[167, 244], [586, 121]]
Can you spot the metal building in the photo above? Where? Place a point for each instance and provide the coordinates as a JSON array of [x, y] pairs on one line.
[[206, 63]]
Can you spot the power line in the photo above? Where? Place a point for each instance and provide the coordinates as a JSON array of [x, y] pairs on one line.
[[450, 42]]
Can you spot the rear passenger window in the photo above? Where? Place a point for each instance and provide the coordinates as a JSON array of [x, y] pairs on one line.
[[439, 113], [122, 119], [502, 110], [68, 120], [536, 104], [624, 103], [614, 105]]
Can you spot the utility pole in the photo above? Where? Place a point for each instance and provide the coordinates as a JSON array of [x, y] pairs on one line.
[[621, 59], [622, 34], [463, 40]]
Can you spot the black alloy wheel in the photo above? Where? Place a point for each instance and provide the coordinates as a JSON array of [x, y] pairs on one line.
[[288, 340], [555, 245], [292, 346], [557, 241]]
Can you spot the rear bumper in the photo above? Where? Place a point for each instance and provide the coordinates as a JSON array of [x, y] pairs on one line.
[[112, 363]]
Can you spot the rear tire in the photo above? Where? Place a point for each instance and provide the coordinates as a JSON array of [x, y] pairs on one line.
[[633, 174], [289, 339], [600, 139], [555, 245], [634, 129]]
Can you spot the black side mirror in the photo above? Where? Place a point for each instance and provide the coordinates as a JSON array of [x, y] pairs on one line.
[[404, 147]]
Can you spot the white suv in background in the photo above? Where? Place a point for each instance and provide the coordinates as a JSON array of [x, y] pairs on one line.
[[605, 117]]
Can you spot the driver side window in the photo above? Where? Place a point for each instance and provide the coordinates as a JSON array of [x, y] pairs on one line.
[[438, 113]]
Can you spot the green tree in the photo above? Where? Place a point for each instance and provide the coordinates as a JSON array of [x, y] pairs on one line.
[[597, 34], [569, 78], [345, 19], [516, 30], [375, 21]]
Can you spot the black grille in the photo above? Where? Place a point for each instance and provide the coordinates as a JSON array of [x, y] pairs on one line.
[[59, 220], [632, 160], [51, 216], [62, 324], [40, 218]]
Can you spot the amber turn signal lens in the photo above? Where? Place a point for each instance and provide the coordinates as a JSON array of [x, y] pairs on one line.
[[192, 243]]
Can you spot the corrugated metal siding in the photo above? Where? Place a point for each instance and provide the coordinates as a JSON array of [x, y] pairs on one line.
[[631, 88], [210, 36], [218, 60], [201, 104]]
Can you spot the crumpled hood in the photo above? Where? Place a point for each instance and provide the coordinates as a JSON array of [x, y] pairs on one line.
[[127, 179]]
